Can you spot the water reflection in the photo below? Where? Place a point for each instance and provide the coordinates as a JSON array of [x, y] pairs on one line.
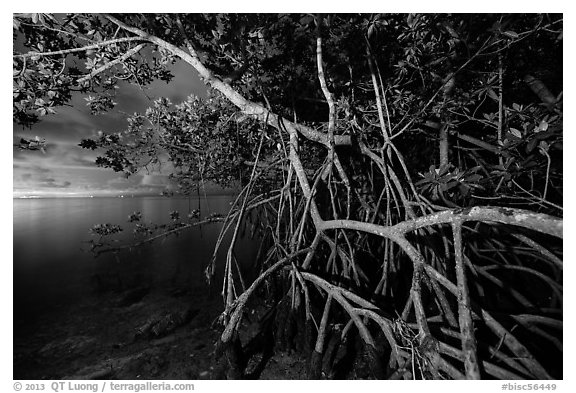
[[52, 266]]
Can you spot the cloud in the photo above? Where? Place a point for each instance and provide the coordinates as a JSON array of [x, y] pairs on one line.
[[27, 172], [84, 162], [155, 180], [66, 166], [51, 183], [121, 182]]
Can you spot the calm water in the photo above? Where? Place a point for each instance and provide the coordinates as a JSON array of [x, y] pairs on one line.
[[53, 266]]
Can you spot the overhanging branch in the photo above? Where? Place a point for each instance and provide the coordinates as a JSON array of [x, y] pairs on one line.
[[80, 49]]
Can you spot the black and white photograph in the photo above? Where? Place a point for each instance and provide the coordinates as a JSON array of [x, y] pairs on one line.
[[287, 196]]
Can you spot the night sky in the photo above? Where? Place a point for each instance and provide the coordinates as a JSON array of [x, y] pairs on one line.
[[68, 170]]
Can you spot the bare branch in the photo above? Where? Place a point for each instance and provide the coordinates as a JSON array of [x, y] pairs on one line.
[[376, 87], [240, 303], [112, 63], [81, 49], [324, 86], [536, 221], [248, 107]]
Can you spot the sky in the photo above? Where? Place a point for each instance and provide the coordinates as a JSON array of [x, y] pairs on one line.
[[68, 170]]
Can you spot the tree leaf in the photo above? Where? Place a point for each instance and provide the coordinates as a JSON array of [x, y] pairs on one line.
[[492, 94], [511, 34], [516, 132], [543, 126]]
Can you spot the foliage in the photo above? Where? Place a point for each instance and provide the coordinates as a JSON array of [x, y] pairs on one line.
[[365, 148]]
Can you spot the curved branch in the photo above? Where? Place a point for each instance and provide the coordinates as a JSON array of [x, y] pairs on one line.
[[240, 302], [81, 49], [248, 107], [386, 326], [535, 221], [539, 222], [338, 295]]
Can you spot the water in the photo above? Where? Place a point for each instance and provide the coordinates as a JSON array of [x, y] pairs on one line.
[[53, 266]]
